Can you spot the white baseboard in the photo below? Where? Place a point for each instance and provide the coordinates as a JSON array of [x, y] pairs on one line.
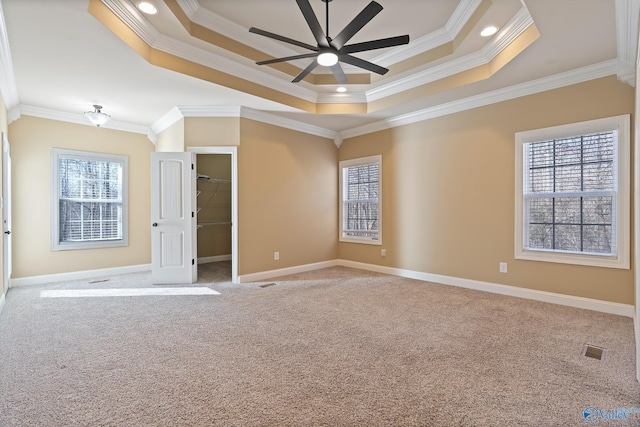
[[266, 275], [626, 310], [216, 258], [2, 300], [77, 275]]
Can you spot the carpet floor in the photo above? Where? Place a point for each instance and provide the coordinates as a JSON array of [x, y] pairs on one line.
[[332, 347]]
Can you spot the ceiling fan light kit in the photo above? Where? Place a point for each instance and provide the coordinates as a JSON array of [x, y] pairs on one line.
[[330, 52]]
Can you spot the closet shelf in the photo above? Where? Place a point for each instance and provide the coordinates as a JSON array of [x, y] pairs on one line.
[[204, 178], [202, 224]]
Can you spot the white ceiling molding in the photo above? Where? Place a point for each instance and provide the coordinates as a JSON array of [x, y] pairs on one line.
[[209, 111], [579, 75], [190, 7], [244, 71], [133, 19], [341, 98], [79, 118], [227, 28], [8, 85], [168, 119], [512, 30], [627, 15], [461, 15], [143, 29], [185, 111], [272, 119]]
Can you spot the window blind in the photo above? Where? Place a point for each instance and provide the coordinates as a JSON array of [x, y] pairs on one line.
[[570, 193], [361, 200], [90, 200]]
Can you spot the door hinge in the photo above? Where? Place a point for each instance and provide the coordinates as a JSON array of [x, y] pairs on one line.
[[191, 166], [192, 215], [193, 261]]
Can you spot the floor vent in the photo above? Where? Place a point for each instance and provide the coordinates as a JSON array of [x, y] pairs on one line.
[[594, 352], [267, 285]]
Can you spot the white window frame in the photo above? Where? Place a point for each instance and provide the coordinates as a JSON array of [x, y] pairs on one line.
[[621, 259], [56, 155], [343, 166]]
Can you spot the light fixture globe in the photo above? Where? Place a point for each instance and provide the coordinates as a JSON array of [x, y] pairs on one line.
[[328, 58], [97, 117]]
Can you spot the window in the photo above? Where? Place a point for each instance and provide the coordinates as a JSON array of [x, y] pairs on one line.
[[572, 193], [361, 202], [89, 200]]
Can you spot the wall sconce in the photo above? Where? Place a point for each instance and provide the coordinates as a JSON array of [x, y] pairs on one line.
[[97, 117]]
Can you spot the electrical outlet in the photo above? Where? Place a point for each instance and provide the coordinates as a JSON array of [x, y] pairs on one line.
[[276, 256], [503, 267], [383, 253]]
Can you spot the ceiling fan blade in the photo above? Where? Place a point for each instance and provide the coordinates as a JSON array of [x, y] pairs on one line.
[[356, 24], [288, 58], [312, 22], [338, 73], [375, 44], [363, 64], [282, 38], [306, 71]]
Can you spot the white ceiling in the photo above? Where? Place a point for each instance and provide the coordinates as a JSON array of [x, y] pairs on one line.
[[63, 60]]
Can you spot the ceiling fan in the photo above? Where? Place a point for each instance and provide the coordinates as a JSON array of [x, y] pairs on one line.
[[330, 52]]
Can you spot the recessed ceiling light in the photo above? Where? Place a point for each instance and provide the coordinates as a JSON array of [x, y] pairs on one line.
[[147, 7], [341, 89], [489, 31]]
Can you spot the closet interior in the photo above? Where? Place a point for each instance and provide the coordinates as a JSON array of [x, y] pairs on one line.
[[213, 197]]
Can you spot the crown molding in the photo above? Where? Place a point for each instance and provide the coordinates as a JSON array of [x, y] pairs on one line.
[[227, 28], [511, 31], [579, 75], [133, 19], [243, 68], [627, 13], [8, 85], [78, 118], [461, 15], [556, 81], [186, 111], [190, 7], [272, 119], [341, 98]]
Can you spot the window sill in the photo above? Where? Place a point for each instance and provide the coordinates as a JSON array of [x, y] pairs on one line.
[[574, 258], [361, 241]]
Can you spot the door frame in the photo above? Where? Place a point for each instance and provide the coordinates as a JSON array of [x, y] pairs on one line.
[[6, 210], [233, 151]]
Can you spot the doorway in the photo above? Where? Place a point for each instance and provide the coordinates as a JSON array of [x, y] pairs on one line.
[[216, 196], [6, 206]]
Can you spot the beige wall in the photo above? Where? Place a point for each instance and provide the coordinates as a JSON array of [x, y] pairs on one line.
[[31, 142], [214, 202], [172, 138], [287, 197], [212, 131], [448, 192]]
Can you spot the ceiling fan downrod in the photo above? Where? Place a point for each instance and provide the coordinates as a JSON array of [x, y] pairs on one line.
[[326, 33]]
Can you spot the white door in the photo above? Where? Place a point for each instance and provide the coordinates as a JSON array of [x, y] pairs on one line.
[[6, 210], [173, 222]]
